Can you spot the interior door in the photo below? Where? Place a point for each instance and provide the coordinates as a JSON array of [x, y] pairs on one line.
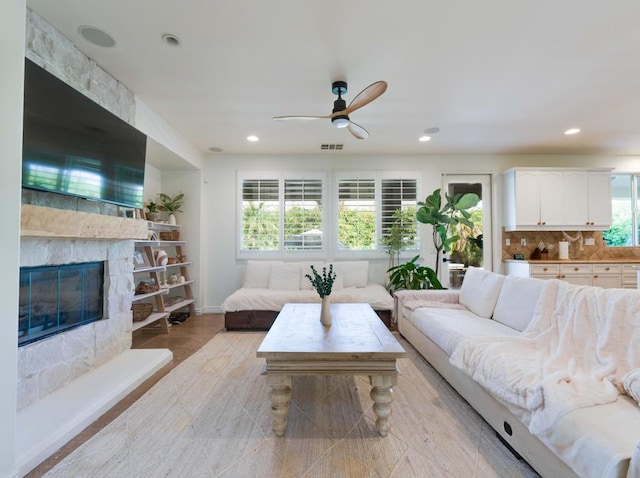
[[476, 244]]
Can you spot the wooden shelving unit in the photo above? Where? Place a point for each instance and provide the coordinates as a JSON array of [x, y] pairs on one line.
[[164, 300]]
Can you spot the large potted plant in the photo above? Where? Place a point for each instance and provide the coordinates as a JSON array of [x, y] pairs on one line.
[[444, 216], [411, 275], [400, 235]]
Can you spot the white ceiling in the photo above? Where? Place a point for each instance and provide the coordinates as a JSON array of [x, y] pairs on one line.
[[497, 76]]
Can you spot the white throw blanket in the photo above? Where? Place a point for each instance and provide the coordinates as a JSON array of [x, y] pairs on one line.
[[579, 338]]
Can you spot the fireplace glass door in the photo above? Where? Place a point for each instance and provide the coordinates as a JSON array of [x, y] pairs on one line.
[[58, 298]]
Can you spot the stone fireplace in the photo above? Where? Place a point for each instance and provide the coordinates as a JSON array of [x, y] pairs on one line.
[[67, 380], [49, 364]]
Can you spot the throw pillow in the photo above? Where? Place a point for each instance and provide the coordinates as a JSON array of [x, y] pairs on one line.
[[285, 276], [480, 290], [517, 301], [256, 274], [355, 273]]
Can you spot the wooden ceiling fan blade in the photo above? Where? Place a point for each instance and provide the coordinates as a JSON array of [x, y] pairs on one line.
[[300, 118], [357, 130], [367, 95]]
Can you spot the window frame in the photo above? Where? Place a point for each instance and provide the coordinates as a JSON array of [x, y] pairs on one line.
[[634, 199]]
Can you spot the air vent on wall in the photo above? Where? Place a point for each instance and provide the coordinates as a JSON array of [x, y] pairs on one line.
[[337, 147]]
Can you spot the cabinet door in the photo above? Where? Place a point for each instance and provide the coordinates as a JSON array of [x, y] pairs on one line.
[[610, 281], [527, 198], [550, 187], [576, 187], [579, 274], [600, 198]]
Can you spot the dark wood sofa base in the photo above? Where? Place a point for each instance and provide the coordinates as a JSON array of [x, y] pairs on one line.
[[263, 319]]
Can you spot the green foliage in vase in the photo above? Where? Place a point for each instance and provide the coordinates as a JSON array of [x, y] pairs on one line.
[[322, 283], [171, 204]]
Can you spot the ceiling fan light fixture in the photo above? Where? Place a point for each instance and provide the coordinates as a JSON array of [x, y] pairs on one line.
[[341, 121], [424, 138]]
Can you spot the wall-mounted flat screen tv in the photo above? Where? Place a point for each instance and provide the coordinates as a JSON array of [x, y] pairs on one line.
[[71, 145]]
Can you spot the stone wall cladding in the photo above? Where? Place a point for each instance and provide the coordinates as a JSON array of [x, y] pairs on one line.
[[54, 52], [48, 365]]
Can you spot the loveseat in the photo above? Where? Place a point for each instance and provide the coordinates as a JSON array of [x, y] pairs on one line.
[[554, 368], [268, 285]]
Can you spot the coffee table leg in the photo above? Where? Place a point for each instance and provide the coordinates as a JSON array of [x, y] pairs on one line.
[[382, 397], [280, 396]]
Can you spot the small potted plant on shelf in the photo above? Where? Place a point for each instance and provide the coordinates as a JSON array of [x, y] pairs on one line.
[[152, 213], [171, 204], [323, 285]]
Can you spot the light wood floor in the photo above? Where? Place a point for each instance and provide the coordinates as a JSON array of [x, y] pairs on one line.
[[210, 417]]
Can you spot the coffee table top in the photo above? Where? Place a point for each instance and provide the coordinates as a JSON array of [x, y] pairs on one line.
[[356, 332]]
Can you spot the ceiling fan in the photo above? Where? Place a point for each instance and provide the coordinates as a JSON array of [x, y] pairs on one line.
[[340, 114]]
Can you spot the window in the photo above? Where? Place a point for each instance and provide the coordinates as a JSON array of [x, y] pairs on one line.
[[399, 200], [356, 214], [283, 214], [625, 209], [302, 214], [372, 208]]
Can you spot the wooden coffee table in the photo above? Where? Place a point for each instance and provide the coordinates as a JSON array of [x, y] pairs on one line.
[[357, 343]]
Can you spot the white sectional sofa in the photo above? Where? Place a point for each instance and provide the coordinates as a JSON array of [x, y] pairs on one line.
[[268, 285], [554, 368]]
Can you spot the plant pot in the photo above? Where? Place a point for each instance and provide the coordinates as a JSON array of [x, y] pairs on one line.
[[172, 219], [325, 311], [153, 216]]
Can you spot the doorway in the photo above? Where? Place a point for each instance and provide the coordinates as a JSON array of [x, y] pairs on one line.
[[475, 245]]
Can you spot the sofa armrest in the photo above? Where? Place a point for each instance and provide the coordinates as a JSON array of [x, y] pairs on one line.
[[433, 295]]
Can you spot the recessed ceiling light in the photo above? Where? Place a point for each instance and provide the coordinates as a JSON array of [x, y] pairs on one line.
[[171, 39], [424, 138], [572, 131], [96, 36], [433, 130], [252, 138], [215, 149]]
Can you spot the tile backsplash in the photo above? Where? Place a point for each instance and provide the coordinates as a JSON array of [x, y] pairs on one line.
[[596, 252]]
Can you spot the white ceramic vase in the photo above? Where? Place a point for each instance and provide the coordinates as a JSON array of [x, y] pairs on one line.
[[172, 219], [325, 311]]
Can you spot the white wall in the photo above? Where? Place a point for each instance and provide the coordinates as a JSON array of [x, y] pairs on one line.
[[222, 271], [12, 33]]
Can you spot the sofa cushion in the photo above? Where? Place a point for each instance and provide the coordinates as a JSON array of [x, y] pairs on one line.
[[256, 274], [284, 276], [354, 273], [447, 327], [517, 301], [480, 290]]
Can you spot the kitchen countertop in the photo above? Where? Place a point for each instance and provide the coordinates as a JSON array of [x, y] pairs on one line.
[[576, 261]]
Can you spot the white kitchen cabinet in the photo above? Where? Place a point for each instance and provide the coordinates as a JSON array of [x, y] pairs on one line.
[[556, 199], [601, 274], [629, 276], [587, 199], [537, 195]]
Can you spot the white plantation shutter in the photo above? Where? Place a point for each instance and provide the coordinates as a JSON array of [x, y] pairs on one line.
[[303, 214], [356, 214], [399, 194], [260, 215]]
